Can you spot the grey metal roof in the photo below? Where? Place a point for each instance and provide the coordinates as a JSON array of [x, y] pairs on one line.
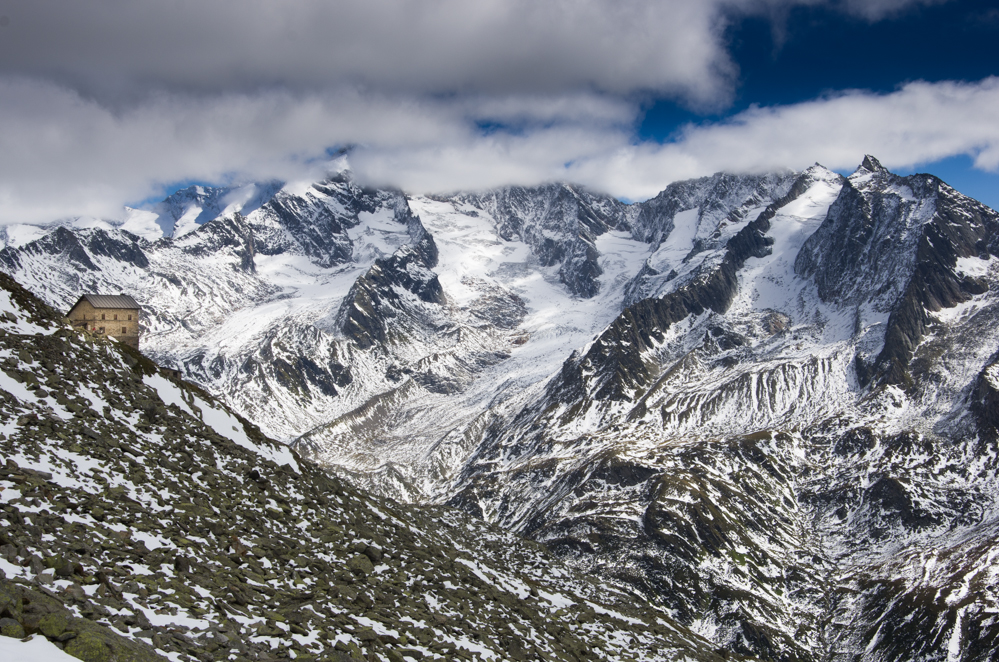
[[110, 301]]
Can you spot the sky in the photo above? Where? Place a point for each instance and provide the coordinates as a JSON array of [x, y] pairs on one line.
[[106, 103]]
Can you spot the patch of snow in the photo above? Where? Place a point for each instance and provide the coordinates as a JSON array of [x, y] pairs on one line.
[[188, 222], [19, 325], [169, 392], [678, 243], [35, 649], [230, 427], [18, 235], [991, 375], [147, 224], [17, 389], [974, 266]]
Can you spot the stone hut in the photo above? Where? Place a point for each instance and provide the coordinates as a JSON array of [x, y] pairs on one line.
[[115, 315]]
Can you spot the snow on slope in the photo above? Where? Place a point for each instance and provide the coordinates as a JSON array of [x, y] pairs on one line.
[[32, 649], [247, 306], [228, 299], [514, 266], [302, 297], [793, 348], [503, 302]]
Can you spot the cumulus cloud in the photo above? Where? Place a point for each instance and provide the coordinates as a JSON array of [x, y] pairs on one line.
[[63, 154], [111, 48]]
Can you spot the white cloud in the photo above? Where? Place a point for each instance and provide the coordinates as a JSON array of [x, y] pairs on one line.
[[63, 155], [111, 48], [917, 124], [106, 102], [115, 49]]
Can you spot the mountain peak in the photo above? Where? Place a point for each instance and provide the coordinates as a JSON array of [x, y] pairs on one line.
[[871, 164]]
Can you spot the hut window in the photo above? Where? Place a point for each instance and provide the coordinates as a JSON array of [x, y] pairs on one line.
[[116, 317], [129, 318], [102, 317], [101, 330], [124, 330]]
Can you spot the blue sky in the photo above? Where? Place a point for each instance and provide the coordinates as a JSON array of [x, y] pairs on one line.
[[106, 104]]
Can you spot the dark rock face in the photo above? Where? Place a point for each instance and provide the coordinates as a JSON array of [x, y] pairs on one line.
[[229, 235], [985, 402], [960, 228], [76, 247], [891, 501], [855, 258], [377, 297], [316, 225], [319, 233], [840, 248], [366, 314], [121, 246]]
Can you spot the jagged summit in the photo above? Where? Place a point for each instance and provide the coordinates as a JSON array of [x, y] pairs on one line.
[[871, 165]]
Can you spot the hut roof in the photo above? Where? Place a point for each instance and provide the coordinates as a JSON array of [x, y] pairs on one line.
[[109, 301]]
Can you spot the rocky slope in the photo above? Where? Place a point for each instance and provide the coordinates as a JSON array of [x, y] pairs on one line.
[[142, 520]]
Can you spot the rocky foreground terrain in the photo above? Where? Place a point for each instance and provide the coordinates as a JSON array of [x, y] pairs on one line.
[[141, 520]]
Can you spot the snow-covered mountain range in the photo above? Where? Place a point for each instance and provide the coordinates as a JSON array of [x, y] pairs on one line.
[[766, 401]]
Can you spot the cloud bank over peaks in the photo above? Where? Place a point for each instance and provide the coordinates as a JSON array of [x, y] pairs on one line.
[[64, 155]]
